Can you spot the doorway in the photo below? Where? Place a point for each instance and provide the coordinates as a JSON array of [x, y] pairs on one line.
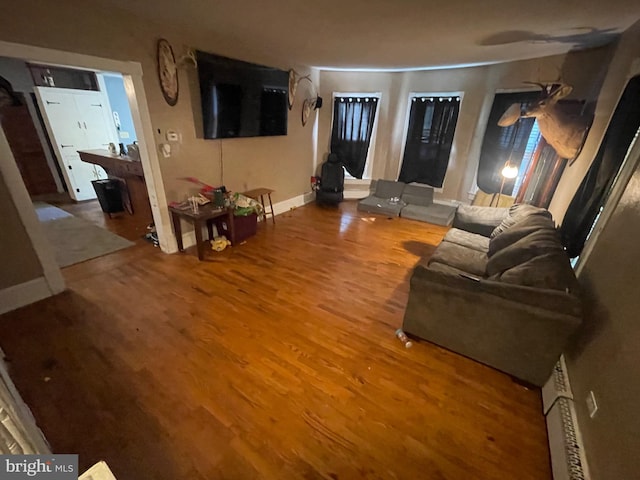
[[132, 78]]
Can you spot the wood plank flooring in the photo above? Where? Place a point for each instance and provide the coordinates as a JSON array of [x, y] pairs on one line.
[[273, 359], [131, 227]]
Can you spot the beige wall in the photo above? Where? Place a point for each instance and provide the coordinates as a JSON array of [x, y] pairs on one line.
[[283, 163], [18, 260], [605, 359], [477, 85]]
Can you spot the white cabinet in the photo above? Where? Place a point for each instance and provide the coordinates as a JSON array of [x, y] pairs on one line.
[[77, 120]]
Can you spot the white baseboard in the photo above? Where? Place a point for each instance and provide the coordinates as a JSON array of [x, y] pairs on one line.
[[189, 238], [23, 294], [295, 202], [356, 194]]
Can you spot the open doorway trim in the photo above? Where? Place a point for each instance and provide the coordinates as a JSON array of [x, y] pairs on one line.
[[132, 73], [52, 282]]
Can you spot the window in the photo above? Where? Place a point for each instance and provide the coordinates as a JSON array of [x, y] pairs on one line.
[[353, 125], [521, 144], [432, 124], [598, 182], [506, 144]]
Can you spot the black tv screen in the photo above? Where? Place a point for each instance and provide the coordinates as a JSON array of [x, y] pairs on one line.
[[241, 99]]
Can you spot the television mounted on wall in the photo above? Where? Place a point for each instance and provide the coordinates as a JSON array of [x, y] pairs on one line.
[[241, 99]]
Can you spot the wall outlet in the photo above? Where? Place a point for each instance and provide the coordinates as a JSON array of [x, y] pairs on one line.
[[172, 136], [592, 405]]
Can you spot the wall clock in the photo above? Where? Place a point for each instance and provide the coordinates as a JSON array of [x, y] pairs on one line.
[[167, 72]]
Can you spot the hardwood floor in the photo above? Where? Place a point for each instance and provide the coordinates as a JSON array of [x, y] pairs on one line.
[[127, 226], [272, 359]]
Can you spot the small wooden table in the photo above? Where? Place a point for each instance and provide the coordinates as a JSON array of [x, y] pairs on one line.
[[206, 213], [258, 194]]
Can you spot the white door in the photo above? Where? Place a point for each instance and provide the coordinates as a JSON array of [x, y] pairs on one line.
[[69, 115], [94, 118]]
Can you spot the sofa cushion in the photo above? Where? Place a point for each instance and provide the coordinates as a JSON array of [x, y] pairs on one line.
[[480, 220], [518, 213], [537, 243], [551, 270], [449, 270], [389, 189], [459, 257], [435, 213], [467, 239], [382, 206], [521, 229], [418, 195]]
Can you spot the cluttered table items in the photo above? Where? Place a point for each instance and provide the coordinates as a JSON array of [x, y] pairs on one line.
[[234, 216], [200, 216]]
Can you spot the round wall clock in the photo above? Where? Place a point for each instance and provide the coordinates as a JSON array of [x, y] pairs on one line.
[[167, 72]]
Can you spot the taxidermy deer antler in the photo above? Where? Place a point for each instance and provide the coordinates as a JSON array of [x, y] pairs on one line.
[[564, 132]]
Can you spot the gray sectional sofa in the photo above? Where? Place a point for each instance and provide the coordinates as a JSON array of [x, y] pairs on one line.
[[411, 201], [498, 289]]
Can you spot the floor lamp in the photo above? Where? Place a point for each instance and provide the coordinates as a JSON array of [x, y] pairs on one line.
[[509, 171]]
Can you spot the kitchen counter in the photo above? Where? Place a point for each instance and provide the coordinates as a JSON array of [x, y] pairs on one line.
[[130, 173]]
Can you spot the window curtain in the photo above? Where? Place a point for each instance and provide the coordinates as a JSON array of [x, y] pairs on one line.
[[502, 144], [432, 124], [542, 176], [596, 185], [353, 119]]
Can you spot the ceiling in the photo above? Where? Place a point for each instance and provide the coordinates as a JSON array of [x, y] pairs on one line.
[[398, 34]]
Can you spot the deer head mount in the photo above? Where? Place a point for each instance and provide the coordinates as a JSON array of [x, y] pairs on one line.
[[563, 131]]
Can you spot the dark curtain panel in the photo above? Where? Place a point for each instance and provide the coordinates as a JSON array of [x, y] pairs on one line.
[[432, 124], [351, 134], [501, 144], [596, 185]]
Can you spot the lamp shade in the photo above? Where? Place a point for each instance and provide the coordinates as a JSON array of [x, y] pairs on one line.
[[510, 171]]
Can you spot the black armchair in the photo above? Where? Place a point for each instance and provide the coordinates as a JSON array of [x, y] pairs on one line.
[[330, 190]]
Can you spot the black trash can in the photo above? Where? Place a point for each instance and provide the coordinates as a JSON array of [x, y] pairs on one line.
[[109, 195]]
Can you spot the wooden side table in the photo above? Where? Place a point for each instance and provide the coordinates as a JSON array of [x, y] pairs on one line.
[[258, 194], [205, 215]]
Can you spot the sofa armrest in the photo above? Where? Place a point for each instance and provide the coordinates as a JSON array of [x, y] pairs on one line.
[[480, 220], [512, 328]]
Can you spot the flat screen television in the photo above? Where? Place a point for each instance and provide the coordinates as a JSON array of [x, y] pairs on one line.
[[241, 99]]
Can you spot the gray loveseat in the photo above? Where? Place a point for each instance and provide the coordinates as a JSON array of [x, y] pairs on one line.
[[411, 201], [498, 289]]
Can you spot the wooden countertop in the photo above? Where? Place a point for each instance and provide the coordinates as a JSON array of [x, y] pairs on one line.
[[114, 164]]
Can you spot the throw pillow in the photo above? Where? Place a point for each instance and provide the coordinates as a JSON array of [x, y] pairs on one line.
[[517, 213], [417, 195], [521, 229], [533, 245]]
